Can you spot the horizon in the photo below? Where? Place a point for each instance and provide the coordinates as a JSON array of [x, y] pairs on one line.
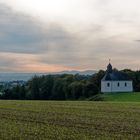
[[41, 36], [63, 71]]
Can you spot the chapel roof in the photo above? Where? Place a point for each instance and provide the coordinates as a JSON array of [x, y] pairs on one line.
[[114, 75]]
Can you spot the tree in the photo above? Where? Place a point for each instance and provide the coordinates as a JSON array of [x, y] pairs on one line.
[[22, 92], [96, 79], [57, 91], [46, 87], [34, 87], [76, 90], [90, 89]]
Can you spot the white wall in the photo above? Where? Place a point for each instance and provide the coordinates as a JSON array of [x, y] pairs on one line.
[[113, 87]]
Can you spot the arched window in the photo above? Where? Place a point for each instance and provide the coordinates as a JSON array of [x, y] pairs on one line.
[[108, 84], [125, 84], [118, 84]]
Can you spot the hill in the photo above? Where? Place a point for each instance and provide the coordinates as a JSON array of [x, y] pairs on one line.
[[5, 77], [122, 97]]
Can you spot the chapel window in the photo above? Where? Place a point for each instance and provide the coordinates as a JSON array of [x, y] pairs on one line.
[[108, 84], [125, 84], [118, 84]]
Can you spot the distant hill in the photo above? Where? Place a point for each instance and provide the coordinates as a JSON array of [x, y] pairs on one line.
[[87, 72], [5, 77]]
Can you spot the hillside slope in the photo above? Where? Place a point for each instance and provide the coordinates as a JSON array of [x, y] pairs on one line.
[[122, 97]]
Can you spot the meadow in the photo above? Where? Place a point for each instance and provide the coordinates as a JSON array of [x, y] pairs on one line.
[[122, 97], [69, 120]]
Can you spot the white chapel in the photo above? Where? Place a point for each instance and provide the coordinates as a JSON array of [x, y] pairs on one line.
[[116, 81]]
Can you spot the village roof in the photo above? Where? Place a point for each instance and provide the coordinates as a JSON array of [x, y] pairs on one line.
[[114, 75]]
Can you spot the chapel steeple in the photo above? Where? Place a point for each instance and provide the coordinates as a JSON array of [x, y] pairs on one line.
[[109, 67]]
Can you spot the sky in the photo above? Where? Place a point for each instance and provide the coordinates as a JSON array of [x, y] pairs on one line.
[[58, 35]]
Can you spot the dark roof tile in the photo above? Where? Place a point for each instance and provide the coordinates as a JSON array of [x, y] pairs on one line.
[[115, 76]]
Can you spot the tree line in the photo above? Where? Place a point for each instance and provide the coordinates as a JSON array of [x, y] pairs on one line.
[[63, 87]]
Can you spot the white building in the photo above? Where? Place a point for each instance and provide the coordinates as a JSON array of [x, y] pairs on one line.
[[115, 81]]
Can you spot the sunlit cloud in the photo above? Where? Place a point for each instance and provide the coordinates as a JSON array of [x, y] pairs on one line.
[[44, 35]]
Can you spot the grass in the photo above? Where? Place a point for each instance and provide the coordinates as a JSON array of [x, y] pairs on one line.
[[60, 120], [125, 97]]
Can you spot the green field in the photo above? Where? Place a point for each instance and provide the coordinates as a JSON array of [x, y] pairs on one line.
[[125, 97], [57, 120]]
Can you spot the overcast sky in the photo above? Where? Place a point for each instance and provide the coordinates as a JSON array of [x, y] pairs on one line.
[[57, 35]]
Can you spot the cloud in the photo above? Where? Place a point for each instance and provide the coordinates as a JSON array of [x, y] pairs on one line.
[[14, 62], [23, 34], [28, 44], [137, 40], [18, 32]]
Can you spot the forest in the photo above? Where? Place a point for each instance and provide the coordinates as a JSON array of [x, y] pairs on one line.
[[63, 87]]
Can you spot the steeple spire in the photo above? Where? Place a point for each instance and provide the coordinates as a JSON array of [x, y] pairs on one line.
[[109, 67]]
